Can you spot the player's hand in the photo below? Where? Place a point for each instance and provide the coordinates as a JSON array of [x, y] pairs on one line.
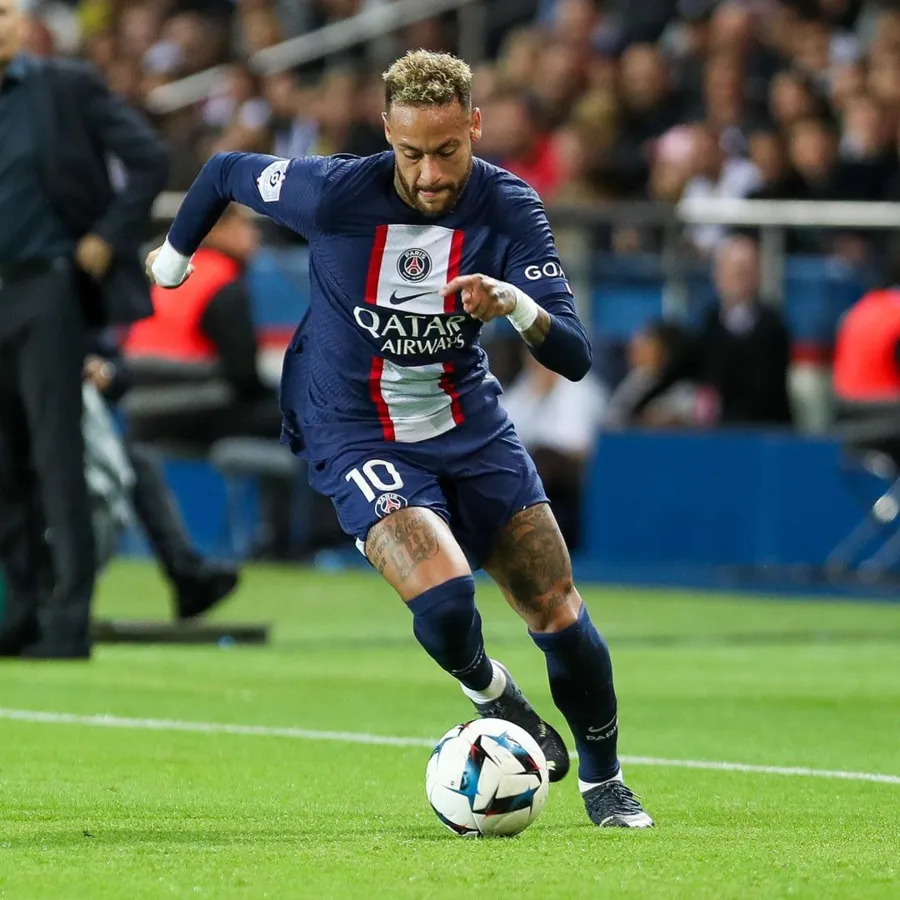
[[148, 268], [148, 264], [483, 298], [93, 255], [99, 372]]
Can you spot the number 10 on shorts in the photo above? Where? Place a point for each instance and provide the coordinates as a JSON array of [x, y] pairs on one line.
[[368, 478]]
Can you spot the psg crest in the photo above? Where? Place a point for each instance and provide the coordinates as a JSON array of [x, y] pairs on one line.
[[389, 503], [414, 265]]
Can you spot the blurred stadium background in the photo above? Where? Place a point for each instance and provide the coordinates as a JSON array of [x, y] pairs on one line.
[[654, 132]]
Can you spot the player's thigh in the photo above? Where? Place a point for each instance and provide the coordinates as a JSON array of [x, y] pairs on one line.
[[532, 567], [504, 513], [397, 513], [486, 489], [414, 550]]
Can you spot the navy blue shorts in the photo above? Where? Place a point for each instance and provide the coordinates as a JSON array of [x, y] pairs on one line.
[[475, 491]]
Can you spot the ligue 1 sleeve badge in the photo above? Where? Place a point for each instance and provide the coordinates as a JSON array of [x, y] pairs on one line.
[[271, 179], [389, 503], [414, 265]]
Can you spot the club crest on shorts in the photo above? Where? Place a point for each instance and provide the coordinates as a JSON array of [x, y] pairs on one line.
[[414, 265], [389, 503]]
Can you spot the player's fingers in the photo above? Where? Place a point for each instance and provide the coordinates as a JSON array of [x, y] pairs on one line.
[[486, 312], [476, 298], [473, 300], [471, 308], [480, 308], [461, 282], [487, 298]]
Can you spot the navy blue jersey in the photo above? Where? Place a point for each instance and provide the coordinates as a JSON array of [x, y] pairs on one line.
[[381, 355]]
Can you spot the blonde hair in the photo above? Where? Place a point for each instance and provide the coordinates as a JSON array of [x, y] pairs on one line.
[[424, 78]]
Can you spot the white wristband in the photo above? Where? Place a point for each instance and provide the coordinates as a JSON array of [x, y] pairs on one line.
[[525, 312], [170, 267]]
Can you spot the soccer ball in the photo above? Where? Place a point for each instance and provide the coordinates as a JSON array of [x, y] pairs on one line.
[[487, 777]]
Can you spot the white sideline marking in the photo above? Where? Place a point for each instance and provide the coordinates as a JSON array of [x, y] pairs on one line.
[[760, 770], [345, 737], [353, 737]]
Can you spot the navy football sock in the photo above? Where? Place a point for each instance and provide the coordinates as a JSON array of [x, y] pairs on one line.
[[581, 683], [447, 624]]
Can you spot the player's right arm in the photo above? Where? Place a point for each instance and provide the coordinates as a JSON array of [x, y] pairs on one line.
[[532, 291], [285, 190]]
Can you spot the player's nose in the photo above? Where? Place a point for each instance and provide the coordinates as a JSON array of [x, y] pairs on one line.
[[429, 174]]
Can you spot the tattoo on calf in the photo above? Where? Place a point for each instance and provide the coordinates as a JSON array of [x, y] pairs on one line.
[[402, 540], [534, 561]]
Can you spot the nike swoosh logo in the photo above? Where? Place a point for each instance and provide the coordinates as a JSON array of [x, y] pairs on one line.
[[608, 728], [396, 301], [604, 731]]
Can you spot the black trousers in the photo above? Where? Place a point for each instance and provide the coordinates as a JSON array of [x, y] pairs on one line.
[[247, 418], [159, 515], [46, 536]]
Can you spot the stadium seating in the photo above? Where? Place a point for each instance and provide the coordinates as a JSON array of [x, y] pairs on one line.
[[628, 291]]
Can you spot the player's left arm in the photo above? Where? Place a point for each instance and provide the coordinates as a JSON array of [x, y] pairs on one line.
[[534, 295]]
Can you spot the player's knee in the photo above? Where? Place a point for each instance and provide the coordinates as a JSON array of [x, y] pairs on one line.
[[554, 610], [444, 616]]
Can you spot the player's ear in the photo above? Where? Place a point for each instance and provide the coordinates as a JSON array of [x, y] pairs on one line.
[[387, 127], [475, 127]]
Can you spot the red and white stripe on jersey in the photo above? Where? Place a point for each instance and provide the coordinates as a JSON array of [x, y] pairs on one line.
[[408, 266], [388, 286], [418, 401]]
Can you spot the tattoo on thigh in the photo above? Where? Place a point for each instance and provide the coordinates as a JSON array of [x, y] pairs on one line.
[[533, 561], [402, 540]]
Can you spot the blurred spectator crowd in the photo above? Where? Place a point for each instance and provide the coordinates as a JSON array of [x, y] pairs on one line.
[[141, 45], [589, 101], [768, 99]]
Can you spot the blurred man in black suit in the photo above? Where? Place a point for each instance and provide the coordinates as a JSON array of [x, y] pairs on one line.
[[741, 350], [68, 260]]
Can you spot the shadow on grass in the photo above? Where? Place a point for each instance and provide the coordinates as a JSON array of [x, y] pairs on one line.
[[70, 837]]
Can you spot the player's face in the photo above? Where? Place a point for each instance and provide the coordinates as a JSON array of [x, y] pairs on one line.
[[433, 151]]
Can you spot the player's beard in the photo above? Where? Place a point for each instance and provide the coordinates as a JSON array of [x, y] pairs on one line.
[[410, 194]]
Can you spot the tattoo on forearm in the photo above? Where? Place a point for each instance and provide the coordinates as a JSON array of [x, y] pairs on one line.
[[402, 541], [535, 335]]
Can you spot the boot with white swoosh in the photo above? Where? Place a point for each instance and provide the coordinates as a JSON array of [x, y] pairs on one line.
[[611, 804]]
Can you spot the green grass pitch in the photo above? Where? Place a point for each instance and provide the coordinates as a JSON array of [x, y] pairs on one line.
[[124, 812]]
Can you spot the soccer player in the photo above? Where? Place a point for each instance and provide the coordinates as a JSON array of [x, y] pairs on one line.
[[387, 392]]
